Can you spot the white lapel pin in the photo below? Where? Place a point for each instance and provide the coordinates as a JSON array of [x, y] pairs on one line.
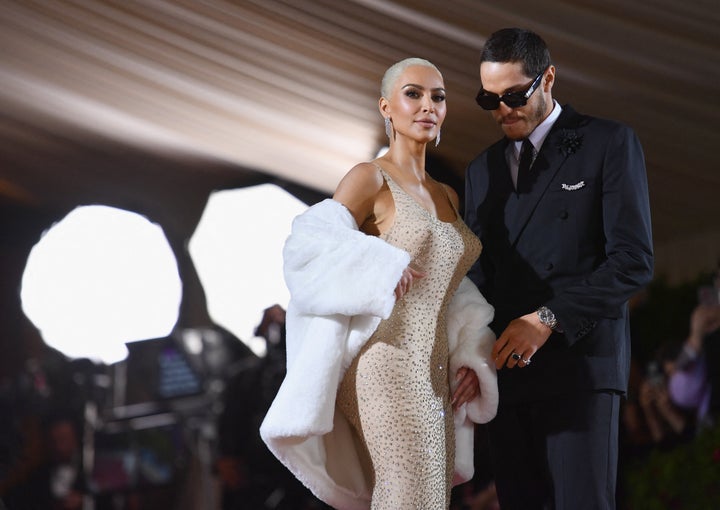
[[573, 187]]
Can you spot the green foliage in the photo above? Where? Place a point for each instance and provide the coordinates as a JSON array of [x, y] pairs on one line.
[[685, 477]]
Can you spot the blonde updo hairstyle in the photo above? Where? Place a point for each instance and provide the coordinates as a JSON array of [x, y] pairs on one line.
[[394, 71]]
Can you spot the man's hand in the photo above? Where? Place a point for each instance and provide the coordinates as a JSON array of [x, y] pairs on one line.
[[522, 337]]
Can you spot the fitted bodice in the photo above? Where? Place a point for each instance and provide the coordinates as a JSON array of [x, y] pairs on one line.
[[445, 251]]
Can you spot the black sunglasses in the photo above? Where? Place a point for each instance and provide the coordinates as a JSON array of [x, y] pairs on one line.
[[490, 101]]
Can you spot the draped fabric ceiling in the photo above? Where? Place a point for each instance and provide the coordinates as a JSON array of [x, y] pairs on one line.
[[100, 98]]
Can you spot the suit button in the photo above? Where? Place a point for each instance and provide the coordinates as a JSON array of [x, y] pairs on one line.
[[549, 266], [563, 215]]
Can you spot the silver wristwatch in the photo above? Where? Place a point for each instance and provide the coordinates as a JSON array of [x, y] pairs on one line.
[[547, 317]]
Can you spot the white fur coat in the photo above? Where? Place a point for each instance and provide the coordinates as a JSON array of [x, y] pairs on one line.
[[342, 284]]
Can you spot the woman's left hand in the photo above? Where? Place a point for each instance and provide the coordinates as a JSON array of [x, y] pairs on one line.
[[467, 389]]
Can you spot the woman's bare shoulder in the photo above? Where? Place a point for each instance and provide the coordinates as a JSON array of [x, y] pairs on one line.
[[361, 182], [359, 190], [452, 195]]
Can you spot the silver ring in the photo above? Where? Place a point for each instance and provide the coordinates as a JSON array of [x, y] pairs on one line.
[[526, 361], [515, 356]]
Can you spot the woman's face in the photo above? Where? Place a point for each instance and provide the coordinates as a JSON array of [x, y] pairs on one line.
[[417, 105]]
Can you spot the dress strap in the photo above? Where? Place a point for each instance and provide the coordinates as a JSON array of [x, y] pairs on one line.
[[399, 195], [398, 192], [385, 175], [457, 213]]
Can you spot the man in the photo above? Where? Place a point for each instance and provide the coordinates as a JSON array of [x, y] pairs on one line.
[[566, 243]]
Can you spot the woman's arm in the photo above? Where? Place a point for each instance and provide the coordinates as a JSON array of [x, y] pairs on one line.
[[359, 191], [363, 193]]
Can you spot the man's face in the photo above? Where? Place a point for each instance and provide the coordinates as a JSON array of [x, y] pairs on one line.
[[500, 78]]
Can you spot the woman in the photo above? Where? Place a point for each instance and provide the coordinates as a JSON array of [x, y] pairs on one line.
[[380, 326]]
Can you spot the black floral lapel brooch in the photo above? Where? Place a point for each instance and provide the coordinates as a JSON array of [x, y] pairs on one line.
[[570, 142]]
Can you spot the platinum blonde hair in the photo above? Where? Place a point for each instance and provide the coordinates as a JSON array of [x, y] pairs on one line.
[[394, 71]]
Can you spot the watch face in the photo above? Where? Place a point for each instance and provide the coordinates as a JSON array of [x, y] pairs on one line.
[[546, 316]]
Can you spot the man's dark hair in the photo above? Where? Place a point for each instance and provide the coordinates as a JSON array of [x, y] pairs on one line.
[[517, 45]]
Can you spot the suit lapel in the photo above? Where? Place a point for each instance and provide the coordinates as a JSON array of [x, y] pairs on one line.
[[547, 164]]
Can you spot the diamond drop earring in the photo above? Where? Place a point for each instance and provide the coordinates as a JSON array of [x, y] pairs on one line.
[[437, 139], [388, 127]]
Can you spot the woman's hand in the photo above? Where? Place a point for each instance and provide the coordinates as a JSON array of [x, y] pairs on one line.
[[467, 389], [409, 275]]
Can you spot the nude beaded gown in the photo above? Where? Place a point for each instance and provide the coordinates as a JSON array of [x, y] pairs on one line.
[[396, 392]]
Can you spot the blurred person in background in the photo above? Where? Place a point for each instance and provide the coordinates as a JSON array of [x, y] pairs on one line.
[[691, 368], [666, 424], [677, 392], [709, 298], [250, 476], [58, 483]]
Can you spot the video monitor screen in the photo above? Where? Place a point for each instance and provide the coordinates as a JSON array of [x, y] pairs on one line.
[[159, 369]]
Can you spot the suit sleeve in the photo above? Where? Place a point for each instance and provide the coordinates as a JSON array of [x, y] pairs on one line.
[[628, 260]]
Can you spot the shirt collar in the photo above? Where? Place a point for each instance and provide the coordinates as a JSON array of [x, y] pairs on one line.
[[538, 135]]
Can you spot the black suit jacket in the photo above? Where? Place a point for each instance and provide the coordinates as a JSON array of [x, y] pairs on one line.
[[579, 242]]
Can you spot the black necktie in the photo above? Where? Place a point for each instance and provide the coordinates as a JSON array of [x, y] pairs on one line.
[[527, 152]]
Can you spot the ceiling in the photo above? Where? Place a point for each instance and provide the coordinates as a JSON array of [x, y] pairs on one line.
[[130, 102]]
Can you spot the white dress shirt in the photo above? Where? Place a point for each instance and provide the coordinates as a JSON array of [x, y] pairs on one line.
[[537, 137]]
